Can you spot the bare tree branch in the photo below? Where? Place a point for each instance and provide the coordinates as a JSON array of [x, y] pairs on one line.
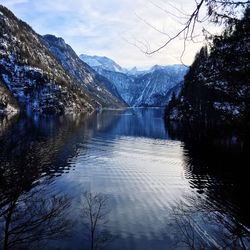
[[152, 26], [169, 12], [219, 12], [95, 213], [191, 21]]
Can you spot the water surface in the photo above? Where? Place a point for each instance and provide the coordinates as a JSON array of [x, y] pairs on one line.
[[166, 187]]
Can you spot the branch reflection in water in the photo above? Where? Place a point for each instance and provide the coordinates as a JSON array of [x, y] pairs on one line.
[[214, 164], [30, 218], [32, 213], [36, 193], [199, 225], [94, 212]]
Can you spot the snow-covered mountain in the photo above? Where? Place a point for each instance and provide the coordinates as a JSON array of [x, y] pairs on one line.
[[43, 79], [158, 85], [101, 62], [151, 87], [125, 84]]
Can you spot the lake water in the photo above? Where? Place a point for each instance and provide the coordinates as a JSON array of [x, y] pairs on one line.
[[163, 187]]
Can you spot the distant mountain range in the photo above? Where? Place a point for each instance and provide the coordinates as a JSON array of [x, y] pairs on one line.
[[148, 88]]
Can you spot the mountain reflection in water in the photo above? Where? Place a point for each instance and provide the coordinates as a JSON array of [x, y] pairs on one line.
[[173, 187]]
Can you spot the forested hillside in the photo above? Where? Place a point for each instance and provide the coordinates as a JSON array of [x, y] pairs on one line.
[[217, 85]]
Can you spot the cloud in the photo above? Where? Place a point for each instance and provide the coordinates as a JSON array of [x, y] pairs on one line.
[[102, 27], [13, 2]]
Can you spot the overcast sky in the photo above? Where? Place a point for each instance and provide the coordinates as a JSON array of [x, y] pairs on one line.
[[108, 27]]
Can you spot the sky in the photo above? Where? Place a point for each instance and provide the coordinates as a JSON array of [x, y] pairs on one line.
[[112, 28]]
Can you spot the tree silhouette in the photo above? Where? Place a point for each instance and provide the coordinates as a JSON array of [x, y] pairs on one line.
[[95, 211], [193, 222], [30, 218]]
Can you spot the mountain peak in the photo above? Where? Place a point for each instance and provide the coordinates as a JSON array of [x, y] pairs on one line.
[[157, 67], [134, 69], [101, 62], [55, 40]]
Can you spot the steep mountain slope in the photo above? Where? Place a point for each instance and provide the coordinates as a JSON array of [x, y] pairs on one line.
[[32, 74], [142, 88], [77, 69], [8, 104], [38, 80], [110, 87], [217, 86], [124, 84]]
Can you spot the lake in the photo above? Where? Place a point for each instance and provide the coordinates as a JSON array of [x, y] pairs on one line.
[[147, 185]]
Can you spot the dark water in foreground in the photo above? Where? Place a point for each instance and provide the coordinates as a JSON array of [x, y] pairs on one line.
[[161, 187]]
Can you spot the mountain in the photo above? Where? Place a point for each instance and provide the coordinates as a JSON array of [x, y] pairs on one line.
[[101, 62], [95, 85], [148, 88], [125, 84], [134, 71], [38, 80], [217, 85], [110, 87], [158, 84]]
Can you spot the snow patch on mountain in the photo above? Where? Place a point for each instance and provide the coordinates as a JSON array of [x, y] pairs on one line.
[[8, 104]]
